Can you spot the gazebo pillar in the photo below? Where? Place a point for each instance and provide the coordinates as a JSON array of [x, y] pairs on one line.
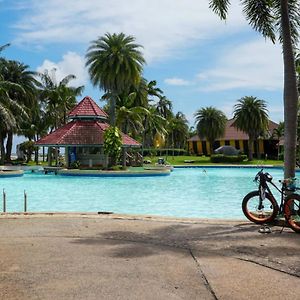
[[49, 156], [67, 156]]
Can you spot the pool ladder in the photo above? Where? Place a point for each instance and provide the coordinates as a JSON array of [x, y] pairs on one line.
[[4, 201]]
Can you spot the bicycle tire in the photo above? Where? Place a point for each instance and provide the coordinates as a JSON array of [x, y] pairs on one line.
[[291, 209], [259, 216]]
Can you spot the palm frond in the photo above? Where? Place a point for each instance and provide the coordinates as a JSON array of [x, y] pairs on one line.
[[259, 14], [220, 7]]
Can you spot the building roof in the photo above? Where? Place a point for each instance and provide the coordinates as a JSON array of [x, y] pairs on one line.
[[231, 133], [87, 108], [83, 133]]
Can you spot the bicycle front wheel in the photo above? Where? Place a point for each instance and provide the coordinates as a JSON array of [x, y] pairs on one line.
[[259, 211], [291, 211]]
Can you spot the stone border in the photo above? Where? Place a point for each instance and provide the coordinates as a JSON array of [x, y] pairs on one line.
[[100, 173], [10, 173]]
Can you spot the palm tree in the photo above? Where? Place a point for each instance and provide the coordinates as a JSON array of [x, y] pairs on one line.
[[277, 134], [153, 124], [115, 64], [154, 91], [178, 130], [251, 116], [164, 107], [210, 124], [267, 17], [128, 116], [59, 98], [18, 73], [8, 111]]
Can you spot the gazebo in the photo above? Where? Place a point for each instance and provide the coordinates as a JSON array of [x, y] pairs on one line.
[[83, 136]]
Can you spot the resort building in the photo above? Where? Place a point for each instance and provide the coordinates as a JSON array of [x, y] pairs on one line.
[[239, 140], [83, 136]]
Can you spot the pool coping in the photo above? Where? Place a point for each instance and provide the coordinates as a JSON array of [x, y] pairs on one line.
[[229, 166], [132, 217], [11, 173], [111, 215], [101, 173]]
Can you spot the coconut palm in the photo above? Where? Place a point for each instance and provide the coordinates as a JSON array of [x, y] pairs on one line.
[[153, 124], [210, 124], [128, 116], [115, 64], [277, 134], [18, 73], [269, 17], [59, 98], [251, 117], [9, 109], [178, 130], [164, 107]]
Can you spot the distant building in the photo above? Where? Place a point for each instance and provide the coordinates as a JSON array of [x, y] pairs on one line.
[[238, 139], [83, 136]]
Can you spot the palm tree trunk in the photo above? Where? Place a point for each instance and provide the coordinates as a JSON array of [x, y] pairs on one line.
[[2, 149], [290, 94], [9, 143], [250, 150], [124, 153], [112, 110]]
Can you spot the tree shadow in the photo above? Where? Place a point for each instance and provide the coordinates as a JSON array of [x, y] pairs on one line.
[[279, 250]]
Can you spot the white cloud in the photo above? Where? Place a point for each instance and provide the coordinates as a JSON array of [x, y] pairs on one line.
[[177, 81], [163, 27], [71, 63], [255, 65]]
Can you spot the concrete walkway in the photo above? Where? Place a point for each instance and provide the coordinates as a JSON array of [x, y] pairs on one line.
[[126, 257]]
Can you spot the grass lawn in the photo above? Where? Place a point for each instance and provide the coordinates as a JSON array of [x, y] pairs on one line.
[[205, 160]]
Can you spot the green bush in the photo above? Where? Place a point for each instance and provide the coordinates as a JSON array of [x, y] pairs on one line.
[[221, 158], [75, 164], [164, 152], [112, 144]]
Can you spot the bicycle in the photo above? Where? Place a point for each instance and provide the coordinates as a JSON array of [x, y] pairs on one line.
[[261, 207]]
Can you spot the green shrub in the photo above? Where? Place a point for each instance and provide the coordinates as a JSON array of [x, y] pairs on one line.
[[112, 144], [75, 164], [164, 152], [221, 158]]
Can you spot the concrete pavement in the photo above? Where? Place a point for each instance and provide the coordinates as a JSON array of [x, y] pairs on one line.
[[92, 256]]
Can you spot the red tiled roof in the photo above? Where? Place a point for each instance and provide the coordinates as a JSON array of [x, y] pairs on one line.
[[80, 132], [87, 107], [231, 133]]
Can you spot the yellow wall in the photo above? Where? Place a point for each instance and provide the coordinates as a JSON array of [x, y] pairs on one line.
[[222, 143], [261, 146], [241, 143], [199, 147]]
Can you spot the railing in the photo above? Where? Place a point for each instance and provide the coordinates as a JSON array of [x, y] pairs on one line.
[[4, 201]]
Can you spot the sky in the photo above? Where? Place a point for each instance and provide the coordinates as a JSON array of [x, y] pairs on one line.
[[196, 59]]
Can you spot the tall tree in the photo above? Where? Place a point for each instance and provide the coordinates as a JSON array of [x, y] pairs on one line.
[[115, 63], [18, 73], [251, 116], [269, 17], [210, 124], [178, 130], [59, 97], [154, 124], [164, 107]]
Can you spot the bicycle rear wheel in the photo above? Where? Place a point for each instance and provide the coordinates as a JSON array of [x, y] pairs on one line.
[[291, 211], [257, 212]]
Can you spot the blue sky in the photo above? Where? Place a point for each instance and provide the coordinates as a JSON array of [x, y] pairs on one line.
[[197, 59]]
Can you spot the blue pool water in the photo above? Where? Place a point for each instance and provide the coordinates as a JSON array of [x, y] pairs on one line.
[[216, 193]]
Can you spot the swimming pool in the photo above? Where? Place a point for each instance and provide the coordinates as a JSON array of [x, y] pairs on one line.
[[192, 192]]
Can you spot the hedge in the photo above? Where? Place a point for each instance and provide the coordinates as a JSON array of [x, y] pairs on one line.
[[164, 152], [221, 158]]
